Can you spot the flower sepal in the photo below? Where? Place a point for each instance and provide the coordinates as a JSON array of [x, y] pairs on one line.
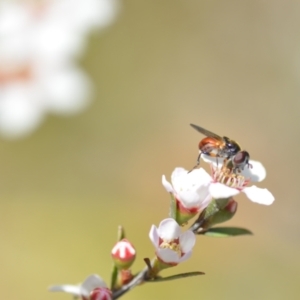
[[123, 277], [159, 265], [218, 211], [183, 215]]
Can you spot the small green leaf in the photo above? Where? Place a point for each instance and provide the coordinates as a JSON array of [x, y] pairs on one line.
[[226, 231], [121, 233], [114, 276], [173, 208], [177, 276]]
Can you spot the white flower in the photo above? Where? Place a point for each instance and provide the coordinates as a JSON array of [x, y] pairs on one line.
[[28, 95], [38, 42], [54, 28], [61, 27], [225, 184], [191, 189], [195, 189], [82, 290], [84, 15], [255, 173], [172, 246]]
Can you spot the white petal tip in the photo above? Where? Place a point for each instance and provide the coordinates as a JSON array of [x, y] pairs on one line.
[[167, 185], [258, 195], [256, 172]]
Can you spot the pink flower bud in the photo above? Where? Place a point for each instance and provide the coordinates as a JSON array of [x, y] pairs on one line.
[[101, 294], [231, 207], [123, 254]]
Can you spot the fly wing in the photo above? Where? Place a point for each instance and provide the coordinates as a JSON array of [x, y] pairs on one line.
[[207, 132]]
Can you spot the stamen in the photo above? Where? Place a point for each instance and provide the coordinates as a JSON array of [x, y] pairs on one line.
[[171, 245], [228, 177]]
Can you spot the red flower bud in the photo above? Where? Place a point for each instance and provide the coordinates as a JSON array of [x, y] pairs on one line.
[[123, 254], [101, 294]]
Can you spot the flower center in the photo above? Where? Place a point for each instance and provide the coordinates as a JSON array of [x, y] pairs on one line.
[[22, 73], [226, 176], [172, 245]]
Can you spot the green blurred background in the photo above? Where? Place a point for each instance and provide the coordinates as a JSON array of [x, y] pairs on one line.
[[230, 66]]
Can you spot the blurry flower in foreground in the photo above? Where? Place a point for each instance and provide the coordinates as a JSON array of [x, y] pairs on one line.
[[29, 92], [85, 289], [54, 28], [38, 42], [191, 191], [172, 246], [85, 15]]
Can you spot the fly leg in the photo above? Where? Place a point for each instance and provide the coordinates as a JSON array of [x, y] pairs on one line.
[[197, 163]]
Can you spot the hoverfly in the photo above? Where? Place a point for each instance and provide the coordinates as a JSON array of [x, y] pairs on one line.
[[216, 146]]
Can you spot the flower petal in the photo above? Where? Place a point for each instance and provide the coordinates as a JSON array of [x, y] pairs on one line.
[[258, 195], [153, 235], [256, 173], [168, 255], [168, 229], [219, 190], [193, 199], [193, 177], [185, 256], [67, 89], [187, 241], [177, 174], [67, 288], [19, 112], [216, 161], [191, 188], [90, 283], [167, 185]]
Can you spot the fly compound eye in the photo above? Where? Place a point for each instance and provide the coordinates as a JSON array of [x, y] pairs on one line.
[[241, 157]]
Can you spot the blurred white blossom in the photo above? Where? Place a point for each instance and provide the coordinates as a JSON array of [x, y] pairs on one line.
[[39, 42], [81, 290]]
